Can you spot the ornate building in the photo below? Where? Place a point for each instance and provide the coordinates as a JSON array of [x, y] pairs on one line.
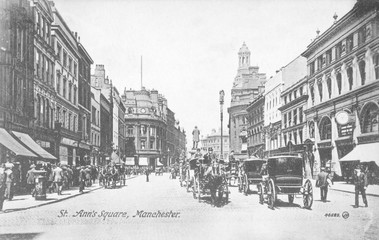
[[153, 135], [46, 124], [213, 140], [255, 133], [66, 87], [246, 87], [343, 84]]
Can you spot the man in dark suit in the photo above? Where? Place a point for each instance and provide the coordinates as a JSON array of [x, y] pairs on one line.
[[323, 182], [361, 183]]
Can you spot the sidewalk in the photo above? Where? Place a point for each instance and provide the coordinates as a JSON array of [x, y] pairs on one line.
[[372, 190], [24, 202]]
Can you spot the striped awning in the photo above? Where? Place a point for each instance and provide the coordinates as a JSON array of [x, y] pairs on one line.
[[12, 144], [30, 143]]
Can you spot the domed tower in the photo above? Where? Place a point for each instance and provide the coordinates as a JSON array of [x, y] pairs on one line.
[[244, 56]]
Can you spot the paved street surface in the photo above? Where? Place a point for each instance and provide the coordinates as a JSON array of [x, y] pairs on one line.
[[100, 214]]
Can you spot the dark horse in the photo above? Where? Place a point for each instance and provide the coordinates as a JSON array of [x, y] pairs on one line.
[[215, 184]]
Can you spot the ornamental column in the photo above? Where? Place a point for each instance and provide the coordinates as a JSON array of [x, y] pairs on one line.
[[335, 160], [317, 163], [333, 79]]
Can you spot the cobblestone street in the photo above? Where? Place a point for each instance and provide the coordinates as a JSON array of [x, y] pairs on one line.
[[93, 216]]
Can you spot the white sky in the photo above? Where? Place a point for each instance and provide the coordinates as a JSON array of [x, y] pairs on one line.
[[189, 48]]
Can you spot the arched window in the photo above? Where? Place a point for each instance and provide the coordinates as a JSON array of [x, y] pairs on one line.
[[329, 84], [362, 71], [370, 119], [325, 129], [350, 77], [339, 82]]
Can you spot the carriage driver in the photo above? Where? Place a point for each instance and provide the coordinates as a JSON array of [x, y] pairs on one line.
[[209, 160]]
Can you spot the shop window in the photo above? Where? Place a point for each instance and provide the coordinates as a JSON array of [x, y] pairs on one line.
[[339, 82], [143, 144], [325, 129], [301, 136], [350, 77], [300, 114], [370, 118], [329, 85], [294, 116], [362, 71]]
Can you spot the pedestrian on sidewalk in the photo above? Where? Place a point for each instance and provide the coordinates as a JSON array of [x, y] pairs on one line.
[[9, 181], [361, 183], [3, 179], [147, 172], [323, 182], [30, 180], [58, 178], [82, 179]]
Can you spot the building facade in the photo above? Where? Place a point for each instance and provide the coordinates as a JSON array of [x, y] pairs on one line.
[[66, 87], [46, 124], [293, 104], [95, 126], [213, 140], [255, 127], [246, 86], [16, 75], [343, 73]]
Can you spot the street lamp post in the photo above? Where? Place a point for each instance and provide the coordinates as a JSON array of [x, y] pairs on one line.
[[168, 153], [222, 94]]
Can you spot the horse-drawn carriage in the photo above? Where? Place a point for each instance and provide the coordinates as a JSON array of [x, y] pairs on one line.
[[249, 173], [232, 172], [112, 174], [159, 171], [210, 179], [285, 177]]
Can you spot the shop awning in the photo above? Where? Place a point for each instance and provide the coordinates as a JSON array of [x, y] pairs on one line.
[[159, 164], [364, 153], [143, 161], [30, 143], [115, 158], [12, 144], [129, 161]]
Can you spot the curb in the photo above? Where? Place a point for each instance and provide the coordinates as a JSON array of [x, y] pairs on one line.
[[55, 201], [346, 191]]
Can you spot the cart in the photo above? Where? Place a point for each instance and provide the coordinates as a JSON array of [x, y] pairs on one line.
[[285, 177]]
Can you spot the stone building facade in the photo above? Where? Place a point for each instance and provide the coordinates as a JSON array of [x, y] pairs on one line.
[[213, 140], [343, 72], [255, 127], [246, 86]]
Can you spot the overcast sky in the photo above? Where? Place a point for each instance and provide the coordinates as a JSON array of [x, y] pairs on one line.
[[189, 48]]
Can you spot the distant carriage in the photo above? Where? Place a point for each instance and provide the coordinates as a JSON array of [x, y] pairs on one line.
[[249, 173]]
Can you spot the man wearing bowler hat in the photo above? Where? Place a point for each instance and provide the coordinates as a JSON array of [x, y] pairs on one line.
[[323, 182], [361, 183]]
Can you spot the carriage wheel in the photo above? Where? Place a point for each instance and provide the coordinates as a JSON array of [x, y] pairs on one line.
[[246, 185], [308, 195], [291, 198], [260, 193], [271, 194]]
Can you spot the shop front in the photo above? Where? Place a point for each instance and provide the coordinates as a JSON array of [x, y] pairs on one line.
[[67, 152]]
